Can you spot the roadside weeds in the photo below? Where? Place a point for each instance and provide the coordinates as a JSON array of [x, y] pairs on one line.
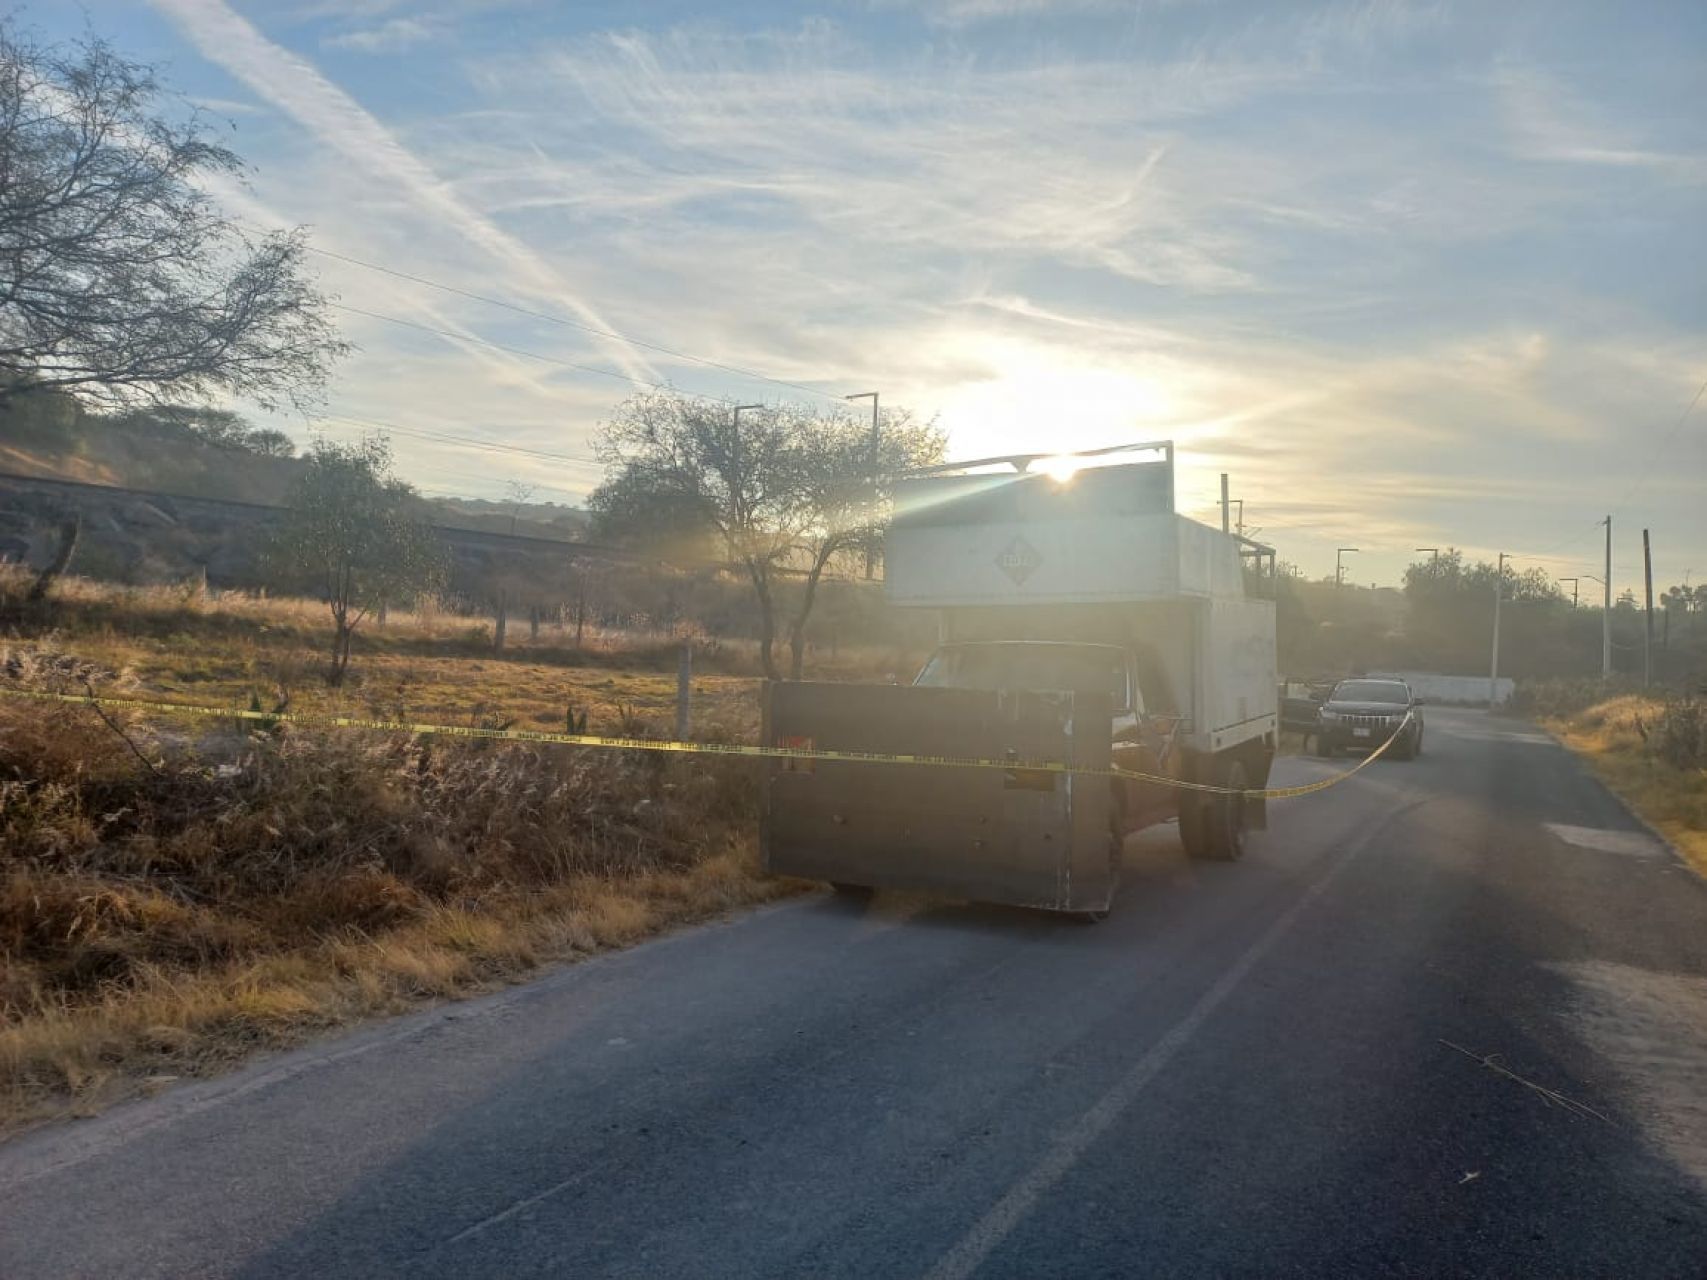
[[1620, 739], [172, 903]]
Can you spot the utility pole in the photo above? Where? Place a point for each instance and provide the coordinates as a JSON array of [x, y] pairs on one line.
[[1226, 513], [870, 551], [1339, 570], [1573, 582], [1606, 608], [1648, 635], [1494, 669]]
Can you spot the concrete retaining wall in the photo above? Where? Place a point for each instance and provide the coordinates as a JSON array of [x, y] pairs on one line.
[[1444, 690]]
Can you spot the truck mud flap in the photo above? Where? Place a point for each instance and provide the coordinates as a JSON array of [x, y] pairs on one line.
[[1030, 838]]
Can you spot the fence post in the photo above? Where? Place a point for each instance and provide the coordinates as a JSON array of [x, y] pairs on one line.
[[684, 692]]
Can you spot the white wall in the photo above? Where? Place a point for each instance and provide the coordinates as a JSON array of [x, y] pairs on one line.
[[1450, 690]]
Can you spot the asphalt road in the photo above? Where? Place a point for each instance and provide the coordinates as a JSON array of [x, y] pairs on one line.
[[1241, 1073]]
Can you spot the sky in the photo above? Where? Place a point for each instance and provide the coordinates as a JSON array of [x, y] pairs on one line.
[[1414, 274]]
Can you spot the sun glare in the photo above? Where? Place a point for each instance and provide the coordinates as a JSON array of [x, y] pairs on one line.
[[1059, 469], [1072, 404]]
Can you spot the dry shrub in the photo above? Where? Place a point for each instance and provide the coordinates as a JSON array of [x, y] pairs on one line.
[[1566, 695], [126, 850], [1677, 733], [1654, 754]]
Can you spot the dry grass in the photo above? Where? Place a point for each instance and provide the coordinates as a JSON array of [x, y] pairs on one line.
[[239, 649], [1652, 753], [176, 895], [167, 1022]]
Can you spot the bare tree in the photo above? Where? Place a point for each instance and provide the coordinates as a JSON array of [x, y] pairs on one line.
[[832, 465], [683, 474], [791, 492], [120, 278]]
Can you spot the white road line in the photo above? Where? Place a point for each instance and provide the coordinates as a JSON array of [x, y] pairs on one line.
[[1635, 843], [995, 1226]]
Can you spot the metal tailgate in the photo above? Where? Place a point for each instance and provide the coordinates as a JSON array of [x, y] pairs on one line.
[[992, 835]]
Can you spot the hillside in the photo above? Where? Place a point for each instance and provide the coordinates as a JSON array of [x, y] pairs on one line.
[[46, 438], [61, 443]]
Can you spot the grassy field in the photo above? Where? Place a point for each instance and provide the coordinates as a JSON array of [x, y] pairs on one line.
[[178, 893], [1653, 753]]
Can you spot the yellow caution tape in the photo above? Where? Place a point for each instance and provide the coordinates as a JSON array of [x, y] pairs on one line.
[[686, 748]]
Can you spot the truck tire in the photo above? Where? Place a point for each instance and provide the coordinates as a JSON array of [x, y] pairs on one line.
[[1212, 825]]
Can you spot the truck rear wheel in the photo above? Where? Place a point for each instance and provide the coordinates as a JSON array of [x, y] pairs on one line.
[[1212, 824]]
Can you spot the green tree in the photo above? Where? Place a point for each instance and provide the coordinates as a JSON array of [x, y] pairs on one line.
[[120, 278], [1450, 618], [356, 536]]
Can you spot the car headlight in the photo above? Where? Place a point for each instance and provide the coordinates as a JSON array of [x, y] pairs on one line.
[[1328, 716]]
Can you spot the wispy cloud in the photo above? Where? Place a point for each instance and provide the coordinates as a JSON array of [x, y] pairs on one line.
[[1548, 122], [1073, 163], [337, 121], [394, 35]]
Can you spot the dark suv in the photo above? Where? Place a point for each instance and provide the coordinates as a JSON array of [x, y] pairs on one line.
[[1362, 714]]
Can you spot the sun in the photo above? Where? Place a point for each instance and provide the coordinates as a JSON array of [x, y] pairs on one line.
[[1038, 396]]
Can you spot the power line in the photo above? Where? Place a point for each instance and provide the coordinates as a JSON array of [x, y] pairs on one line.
[[568, 323], [468, 441], [517, 351]]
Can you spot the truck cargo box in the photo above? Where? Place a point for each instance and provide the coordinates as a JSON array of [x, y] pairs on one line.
[[1022, 837], [1106, 534]]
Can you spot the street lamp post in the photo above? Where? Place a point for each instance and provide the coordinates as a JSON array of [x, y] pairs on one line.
[[1339, 567], [1434, 553], [1606, 608], [870, 554]]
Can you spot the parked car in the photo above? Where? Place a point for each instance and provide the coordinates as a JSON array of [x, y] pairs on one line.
[[1300, 701], [1361, 714]]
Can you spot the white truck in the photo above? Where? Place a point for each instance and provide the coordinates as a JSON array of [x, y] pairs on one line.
[[1083, 622]]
